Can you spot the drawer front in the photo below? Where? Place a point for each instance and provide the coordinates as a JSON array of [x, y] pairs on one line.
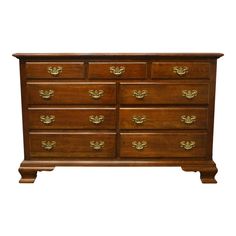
[[139, 145], [117, 70], [74, 118], [55, 70], [71, 93], [86, 145], [180, 70], [163, 118], [168, 93]]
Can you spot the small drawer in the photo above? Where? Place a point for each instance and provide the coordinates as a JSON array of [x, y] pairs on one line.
[[180, 70], [169, 145], [163, 118], [163, 93], [117, 70], [72, 118], [76, 145], [55, 70], [71, 93]]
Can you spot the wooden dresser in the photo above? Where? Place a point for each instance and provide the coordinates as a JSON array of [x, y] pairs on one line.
[[118, 110]]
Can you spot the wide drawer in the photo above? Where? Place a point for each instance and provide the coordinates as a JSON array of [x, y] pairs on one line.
[[163, 93], [180, 70], [71, 93], [117, 70], [139, 145], [163, 118], [72, 118], [55, 70], [86, 145]]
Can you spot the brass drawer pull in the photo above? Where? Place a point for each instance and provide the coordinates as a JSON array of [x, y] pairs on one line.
[[180, 70], [97, 145], [96, 119], [48, 145], [187, 145], [140, 94], [47, 120], [117, 70], [54, 70], [96, 94], [139, 119], [189, 94], [139, 145], [46, 94], [188, 119]]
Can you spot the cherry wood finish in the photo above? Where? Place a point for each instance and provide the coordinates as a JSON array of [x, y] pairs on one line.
[[70, 70], [75, 145], [71, 93], [165, 70], [72, 118], [162, 118], [163, 93], [163, 145], [163, 139], [133, 70]]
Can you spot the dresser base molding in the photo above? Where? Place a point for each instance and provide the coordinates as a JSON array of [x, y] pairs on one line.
[[207, 169]]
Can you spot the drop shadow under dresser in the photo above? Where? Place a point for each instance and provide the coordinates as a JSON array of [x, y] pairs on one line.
[[125, 109]]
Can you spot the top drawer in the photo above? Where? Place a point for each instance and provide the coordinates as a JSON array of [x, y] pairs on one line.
[[54, 70], [180, 70], [117, 70]]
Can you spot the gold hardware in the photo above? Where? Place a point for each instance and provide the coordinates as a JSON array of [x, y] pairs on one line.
[[46, 94], [47, 120], [96, 119], [139, 145], [97, 145], [187, 145], [96, 94], [54, 70], [139, 119], [180, 70], [189, 94], [117, 70], [188, 119], [48, 145], [139, 94]]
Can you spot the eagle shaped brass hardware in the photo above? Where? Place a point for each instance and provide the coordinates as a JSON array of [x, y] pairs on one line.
[[180, 70], [189, 94], [188, 119], [187, 145], [139, 145], [96, 119], [97, 145], [46, 94], [47, 120], [54, 70], [140, 94], [139, 119], [96, 94], [48, 145], [117, 70]]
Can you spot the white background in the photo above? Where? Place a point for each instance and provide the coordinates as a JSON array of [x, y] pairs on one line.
[[117, 201]]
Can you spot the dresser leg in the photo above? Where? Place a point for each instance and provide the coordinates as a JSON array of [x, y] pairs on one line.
[[207, 172], [29, 174], [208, 176]]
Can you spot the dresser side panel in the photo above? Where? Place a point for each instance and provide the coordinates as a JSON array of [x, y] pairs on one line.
[[211, 107], [24, 104]]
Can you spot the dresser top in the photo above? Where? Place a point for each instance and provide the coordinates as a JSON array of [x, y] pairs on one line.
[[117, 55]]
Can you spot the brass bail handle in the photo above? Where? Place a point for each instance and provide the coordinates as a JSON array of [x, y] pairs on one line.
[[54, 70], [180, 70], [117, 70]]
